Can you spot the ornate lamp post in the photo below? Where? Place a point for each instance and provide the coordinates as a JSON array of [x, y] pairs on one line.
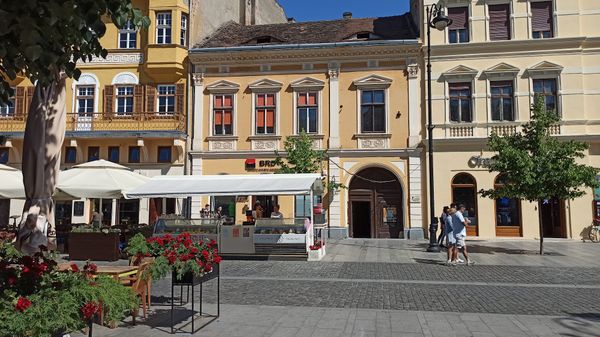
[[436, 18]]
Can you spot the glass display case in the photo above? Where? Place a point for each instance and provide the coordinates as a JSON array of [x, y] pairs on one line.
[[281, 231], [206, 228]]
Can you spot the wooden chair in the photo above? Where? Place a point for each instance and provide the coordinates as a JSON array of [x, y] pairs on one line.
[[139, 284], [149, 280]]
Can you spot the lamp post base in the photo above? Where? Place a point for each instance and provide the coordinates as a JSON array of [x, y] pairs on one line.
[[433, 245]]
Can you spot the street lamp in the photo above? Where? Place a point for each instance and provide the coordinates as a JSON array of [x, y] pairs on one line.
[[436, 18]]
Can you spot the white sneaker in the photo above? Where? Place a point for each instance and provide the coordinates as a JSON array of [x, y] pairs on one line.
[[470, 263], [459, 260]]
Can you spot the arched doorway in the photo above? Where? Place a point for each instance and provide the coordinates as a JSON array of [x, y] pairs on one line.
[[375, 207], [508, 212], [464, 191]]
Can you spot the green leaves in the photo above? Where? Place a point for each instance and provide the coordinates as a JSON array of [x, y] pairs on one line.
[[40, 39], [301, 156]]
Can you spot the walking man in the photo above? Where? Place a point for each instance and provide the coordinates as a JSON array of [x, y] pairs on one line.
[[450, 240], [459, 226]]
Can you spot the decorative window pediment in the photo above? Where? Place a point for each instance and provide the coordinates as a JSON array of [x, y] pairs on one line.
[[223, 87], [545, 68], [460, 72], [125, 78], [307, 83], [265, 85], [373, 82], [501, 70]]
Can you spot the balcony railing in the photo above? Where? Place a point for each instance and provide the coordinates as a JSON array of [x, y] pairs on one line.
[[484, 130], [151, 121]]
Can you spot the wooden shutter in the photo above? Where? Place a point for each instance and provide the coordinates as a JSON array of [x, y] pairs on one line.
[[541, 16], [30, 93], [499, 22], [179, 101], [150, 100], [19, 102], [138, 100], [459, 16], [109, 99]]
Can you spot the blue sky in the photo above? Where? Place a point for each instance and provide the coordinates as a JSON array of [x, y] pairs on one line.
[[313, 10]]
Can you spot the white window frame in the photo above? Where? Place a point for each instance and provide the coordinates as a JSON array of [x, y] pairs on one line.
[[546, 76], [118, 96], [511, 18], [470, 15], [254, 107], [319, 108], [471, 81], [514, 98], [222, 88], [158, 96], [161, 28], [313, 85], [554, 20], [183, 33], [84, 80], [8, 110], [372, 82], [77, 100], [266, 86], [129, 31], [211, 118], [386, 103]]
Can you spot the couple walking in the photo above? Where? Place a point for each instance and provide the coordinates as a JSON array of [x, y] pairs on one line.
[[455, 232]]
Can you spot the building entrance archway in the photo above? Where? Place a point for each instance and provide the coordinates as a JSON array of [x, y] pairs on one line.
[[375, 208]]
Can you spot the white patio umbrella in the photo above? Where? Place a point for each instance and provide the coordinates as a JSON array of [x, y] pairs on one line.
[[99, 179], [12, 183]]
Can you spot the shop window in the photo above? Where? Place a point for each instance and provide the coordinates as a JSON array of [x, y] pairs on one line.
[[70, 155], [128, 36], [164, 154], [227, 204], [502, 100], [114, 154], [372, 111], [508, 210], [93, 153], [265, 114], [499, 22], [464, 191], [302, 205], [4, 155], [460, 102], [458, 31], [223, 115], [129, 211], [134, 154], [163, 27], [307, 111], [541, 20], [547, 89]]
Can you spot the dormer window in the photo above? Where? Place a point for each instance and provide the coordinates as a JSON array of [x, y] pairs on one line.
[[263, 39], [363, 36]]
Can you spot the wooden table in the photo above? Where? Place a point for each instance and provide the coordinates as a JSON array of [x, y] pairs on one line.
[[116, 272]]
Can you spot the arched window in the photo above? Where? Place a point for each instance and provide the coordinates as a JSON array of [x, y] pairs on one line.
[[508, 212], [464, 191]]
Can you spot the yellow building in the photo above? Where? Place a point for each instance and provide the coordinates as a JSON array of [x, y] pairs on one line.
[[351, 84], [486, 68]]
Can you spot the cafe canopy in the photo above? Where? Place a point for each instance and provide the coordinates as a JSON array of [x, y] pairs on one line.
[[225, 185]]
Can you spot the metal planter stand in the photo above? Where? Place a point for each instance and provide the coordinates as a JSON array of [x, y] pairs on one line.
[[193, 281]]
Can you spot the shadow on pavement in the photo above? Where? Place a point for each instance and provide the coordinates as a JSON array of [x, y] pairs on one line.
[[474, 248], [580, 325]]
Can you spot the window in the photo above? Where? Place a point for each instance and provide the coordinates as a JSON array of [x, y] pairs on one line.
[[541, 20], [460, 102], [3, 155], [8, 109], [134, 154], [113, 154], [499, 22], [223, 115], [263, 39], [128, 36], [265, 113], [372, 111], [124, 100], [502, 101], [302, 205], [547, 89], [458, 31], [164, 154], [508, 212], [163, 28], [85, 101], [70, 155], [307, 109], [183, 37], [93, 153], [166, 99], [464, 191]]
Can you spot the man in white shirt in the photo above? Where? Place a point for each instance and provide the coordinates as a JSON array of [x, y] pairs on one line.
[[459, 226]]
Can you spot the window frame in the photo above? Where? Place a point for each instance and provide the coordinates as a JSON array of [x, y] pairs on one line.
[[68, 150], [316, 106], [164, 30], [4, 151], [86, 97], [158, 155], [184, 29], [555, 94], [89, 153], [223, 109], [129, 154], [265, 108], [509, 19], [166, 96], [552, 30], [470, 100], [502, 97], [118, 97], [8, 110], [498, 184], [110, 150], [129, 31], [468, 29], [473, 187], [373, 104]]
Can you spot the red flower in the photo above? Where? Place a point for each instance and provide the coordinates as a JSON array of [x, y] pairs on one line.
[[205, 254], [25, 269], [90, 268], [11, 280], [217, 259], [22, 304], [213, 242], [200, 264], [172, 258], [74, 268], [208, 268], [194, 250], [89, 309]]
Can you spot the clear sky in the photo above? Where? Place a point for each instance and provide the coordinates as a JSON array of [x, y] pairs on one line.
[[313, 10]]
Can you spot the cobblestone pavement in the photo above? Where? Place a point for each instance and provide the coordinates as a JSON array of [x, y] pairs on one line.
[[418, 298]]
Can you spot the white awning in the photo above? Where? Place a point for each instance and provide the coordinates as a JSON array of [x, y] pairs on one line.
[[12, 183], [259, 184]]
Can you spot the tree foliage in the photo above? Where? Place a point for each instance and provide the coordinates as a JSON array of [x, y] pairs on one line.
[[39, 39], [537, 166], [301, 156]]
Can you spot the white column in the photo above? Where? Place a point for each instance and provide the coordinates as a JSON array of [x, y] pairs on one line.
[[414, 102], [144, 212], [113, 215], [196, 170], [415, 192], [334, 108], [198, 110], [335, 211]]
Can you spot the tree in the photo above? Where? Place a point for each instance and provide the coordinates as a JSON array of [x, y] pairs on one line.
[[301, 156], [537, 166]]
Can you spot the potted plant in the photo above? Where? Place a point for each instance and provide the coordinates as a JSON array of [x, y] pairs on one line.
[[188, 261], [94, 243], [317, 251]]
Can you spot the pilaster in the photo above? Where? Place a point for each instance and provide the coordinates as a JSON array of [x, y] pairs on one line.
[[335, 211], [198, 112], [334, 107], [414, 99]]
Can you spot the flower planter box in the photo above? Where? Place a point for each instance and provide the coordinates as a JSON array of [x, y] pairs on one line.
[[316, 255], [191, 279], [94, 246]]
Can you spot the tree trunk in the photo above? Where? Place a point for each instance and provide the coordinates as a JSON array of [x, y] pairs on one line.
[[541, 227]]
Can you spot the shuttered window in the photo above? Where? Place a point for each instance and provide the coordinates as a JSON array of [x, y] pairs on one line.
[[458, 31], [460, 102], [499, 22], [265, 114], [541, 20]]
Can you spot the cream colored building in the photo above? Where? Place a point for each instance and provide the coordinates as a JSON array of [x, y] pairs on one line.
[[351, 84], [486, 68]]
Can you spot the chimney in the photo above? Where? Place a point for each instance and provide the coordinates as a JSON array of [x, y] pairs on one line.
[[347, 15], [291, 20]]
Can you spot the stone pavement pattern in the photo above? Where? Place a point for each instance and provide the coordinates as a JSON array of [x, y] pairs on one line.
[[510, 292]]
